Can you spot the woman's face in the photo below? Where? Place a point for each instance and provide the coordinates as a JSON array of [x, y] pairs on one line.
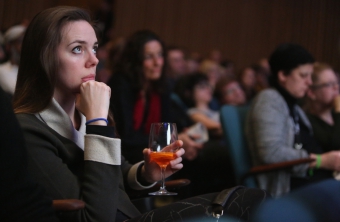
[[202, 92], [153, 60], [248, 78], [326, 88], [77, 56], [298, 80], [233, 94]]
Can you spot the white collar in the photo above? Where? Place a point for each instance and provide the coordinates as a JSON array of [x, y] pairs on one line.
[[57, 119]]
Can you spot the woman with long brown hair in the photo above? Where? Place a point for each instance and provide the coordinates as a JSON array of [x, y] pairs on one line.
[[63, 112]]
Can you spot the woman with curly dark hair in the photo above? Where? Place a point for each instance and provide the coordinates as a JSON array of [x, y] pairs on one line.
[[140, 94]]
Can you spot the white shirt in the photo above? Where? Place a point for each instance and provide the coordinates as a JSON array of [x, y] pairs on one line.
[[8, 77]]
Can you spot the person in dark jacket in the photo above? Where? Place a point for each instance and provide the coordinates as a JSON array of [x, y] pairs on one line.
[[140, 95]]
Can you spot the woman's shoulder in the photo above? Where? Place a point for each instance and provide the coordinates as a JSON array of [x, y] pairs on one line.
[[26, 118], [269, 93], [269, 101], [193, 110], [31, 123]]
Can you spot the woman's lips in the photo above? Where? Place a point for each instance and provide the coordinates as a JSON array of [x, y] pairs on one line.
[[88, 78]]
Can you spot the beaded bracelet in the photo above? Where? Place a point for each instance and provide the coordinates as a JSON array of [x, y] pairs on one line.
[[96, 119]]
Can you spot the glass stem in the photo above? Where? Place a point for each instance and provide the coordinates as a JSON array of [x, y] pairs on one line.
[[163, 177]]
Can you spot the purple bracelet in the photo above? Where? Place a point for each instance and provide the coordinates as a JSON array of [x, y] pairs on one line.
[[96, 119]]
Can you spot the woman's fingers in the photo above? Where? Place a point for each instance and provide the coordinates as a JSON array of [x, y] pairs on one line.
[[94, 99], [173, 146]]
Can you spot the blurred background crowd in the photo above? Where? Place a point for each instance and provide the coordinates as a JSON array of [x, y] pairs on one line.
[[160, 69]]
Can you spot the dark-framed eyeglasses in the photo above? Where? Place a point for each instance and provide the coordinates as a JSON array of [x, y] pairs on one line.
[[325, 85]]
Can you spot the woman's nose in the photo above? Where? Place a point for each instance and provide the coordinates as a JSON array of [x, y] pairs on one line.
[[92, 60], [157, 61], [309, 81]]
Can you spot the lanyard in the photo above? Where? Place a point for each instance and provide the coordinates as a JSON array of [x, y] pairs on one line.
[[297, 139]]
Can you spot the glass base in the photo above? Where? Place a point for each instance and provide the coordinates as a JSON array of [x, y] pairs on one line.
[[162, 192]]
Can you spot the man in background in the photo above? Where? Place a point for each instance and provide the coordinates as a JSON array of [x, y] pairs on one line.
[[176, 64], [9, 70]]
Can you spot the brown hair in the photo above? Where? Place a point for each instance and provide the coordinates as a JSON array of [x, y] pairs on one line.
[[318, 69], [39, 63]]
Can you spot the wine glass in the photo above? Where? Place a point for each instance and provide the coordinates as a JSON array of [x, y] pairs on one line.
[[162, 135]]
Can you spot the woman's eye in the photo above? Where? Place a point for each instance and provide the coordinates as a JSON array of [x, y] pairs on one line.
[[77, 50], [94, 50]]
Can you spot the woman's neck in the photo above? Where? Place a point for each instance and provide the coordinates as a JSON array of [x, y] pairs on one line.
[[67, 102], [202, 106], [323, 112]]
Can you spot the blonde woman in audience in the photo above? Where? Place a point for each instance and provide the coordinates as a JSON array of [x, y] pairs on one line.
[[212, 70], [278, 130], [323, 107]]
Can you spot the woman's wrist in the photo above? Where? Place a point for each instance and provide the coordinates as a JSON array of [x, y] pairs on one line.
[[141, 176], [97, 121], [312, 164], [318, 160]]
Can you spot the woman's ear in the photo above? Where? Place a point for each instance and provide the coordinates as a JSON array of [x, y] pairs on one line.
[[281, 77]]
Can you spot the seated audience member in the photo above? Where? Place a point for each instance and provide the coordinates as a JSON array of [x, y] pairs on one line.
[[323, 107], [22, 199], [228, 91], [197, 95], [228, 67], [140, 94], [195, 92], [63, 112], [176, 65], [212, 70], [264, 64], [9, 70], [278, 130], [247, 79], [261, 78], [193, 62]]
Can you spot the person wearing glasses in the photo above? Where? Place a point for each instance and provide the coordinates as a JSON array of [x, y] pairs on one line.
[[278, 130], [323, 107]]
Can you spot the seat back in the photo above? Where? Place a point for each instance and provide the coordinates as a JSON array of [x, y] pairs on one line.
[[233, 122]]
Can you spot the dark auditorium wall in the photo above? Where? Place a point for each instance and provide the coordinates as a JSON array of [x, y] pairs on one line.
[[15, 11], [245, 30]]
